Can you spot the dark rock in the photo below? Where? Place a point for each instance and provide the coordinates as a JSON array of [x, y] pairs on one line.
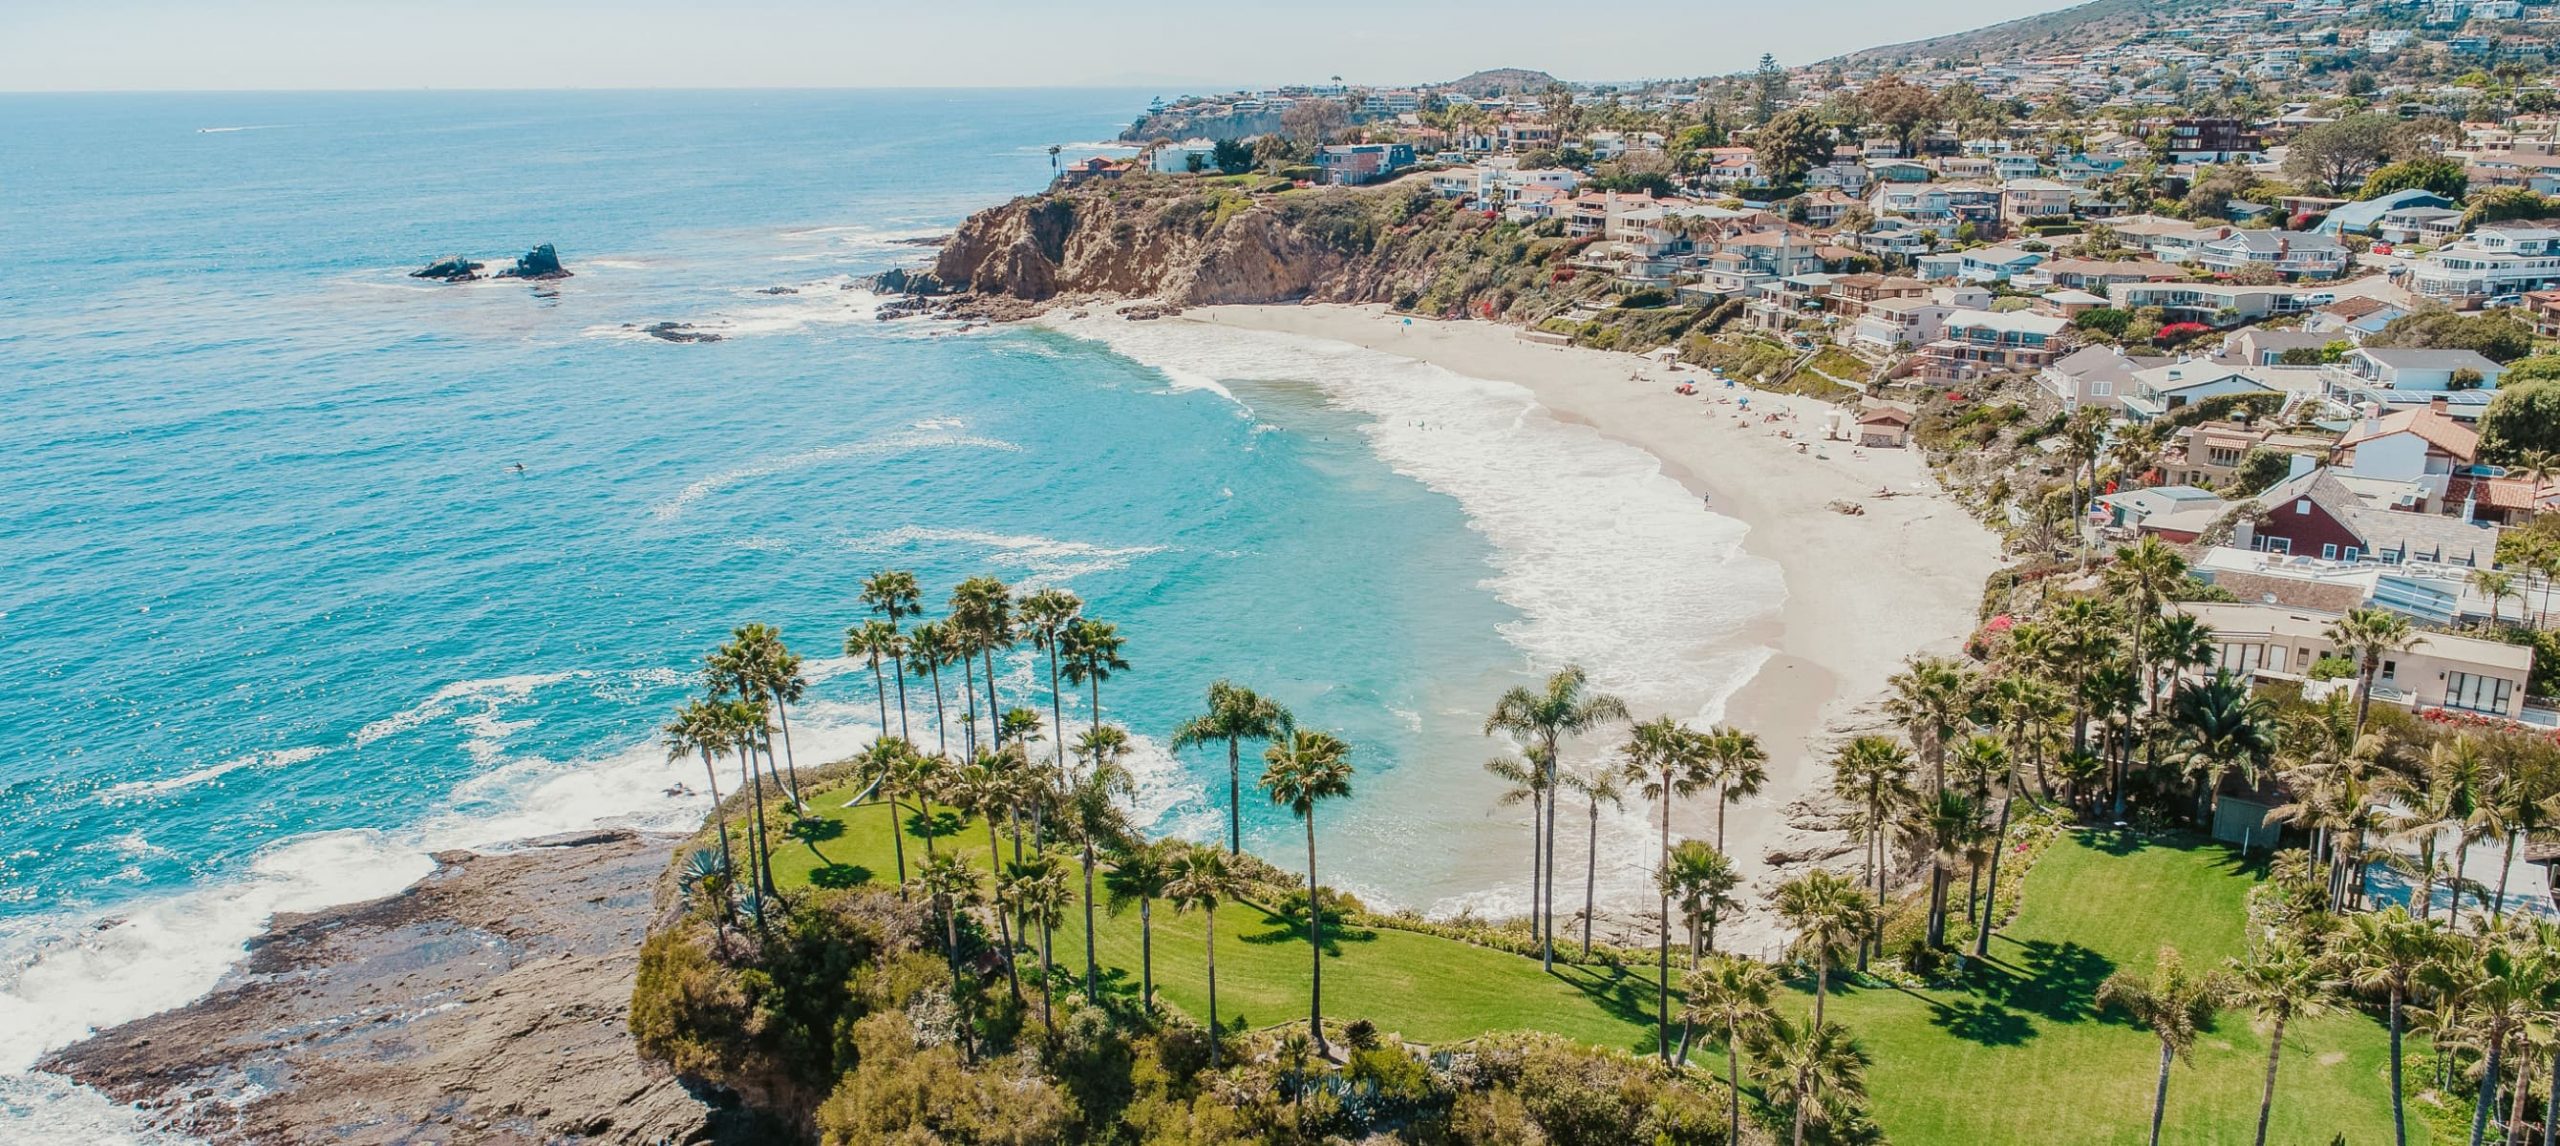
[[451, 269], [905, 280], [541, 264], [678, 332], [779, 290]]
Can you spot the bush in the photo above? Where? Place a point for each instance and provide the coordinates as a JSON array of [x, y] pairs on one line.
[[1646, 298], [2331, 667], [2105, 320]]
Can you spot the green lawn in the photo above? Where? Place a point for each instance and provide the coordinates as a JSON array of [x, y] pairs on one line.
[[2021, 1058]]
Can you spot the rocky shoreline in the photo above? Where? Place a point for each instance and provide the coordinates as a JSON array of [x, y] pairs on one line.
[[487, 1003]]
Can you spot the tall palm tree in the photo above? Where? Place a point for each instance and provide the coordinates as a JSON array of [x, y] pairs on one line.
[[2497, 585], [885, 765], [2498, 991], [982, 609], [2083, 641], [1310, 768], [1095, 821], [1827, 911], [744, 722], [2524, 800], [1932, 699], [1037, 888], [2021, 705], [1141, 871], [1946, 824], [1235, 714], [2280, 981], [1046, 613], [1817, 1071], [2222, 727], [1201, 880], [757, 663], [2142, 577], [878, 642], [2429, 808], [2177, 1004], [1596, 786], [985, 788], [1093, 653], [931, 646], [953, 884], [1659, 755], [892, 594], [1732, 995], [2365, 636], [1736, 765], [1524, 781], [1700, 880], [1543, 719], [1873, 776], [2387, 951], [699, 728]]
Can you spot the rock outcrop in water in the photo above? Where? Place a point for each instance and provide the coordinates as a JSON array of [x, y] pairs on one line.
[[451, 269], [541, 264]]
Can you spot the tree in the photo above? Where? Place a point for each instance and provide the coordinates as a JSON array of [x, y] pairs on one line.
[[1903, 108], [1235, 715], [1597, 786], [1731, 995], [2222, 727], [1201, 880], [1731, 761], [953, 884], [1312, 123], [1092, 651], [1700, 880], [2497, 334], [1661, 755], [1140, 872], [1790, 144], [2339, 154], [1037, 890], [1542, 719], [1310, 768], [885, 764], [1046, 616], [931, 647], [2279, 981], [699, 728], [2260, 469], [1527, 780], [755, 663], [877, 642], [2175, 1003], [1873, 776], [982, 610], [2522, 419], [2500, 204], [1932, 699], [2386, 952], [1827, 911], [2495, 585], [2365, 635], [1816, 1072], [2423, 173], [892, 594], [1093, 819], [1231, 156], [1768, 88]]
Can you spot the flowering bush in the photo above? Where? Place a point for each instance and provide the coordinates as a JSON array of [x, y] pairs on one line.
[[2178, 332]]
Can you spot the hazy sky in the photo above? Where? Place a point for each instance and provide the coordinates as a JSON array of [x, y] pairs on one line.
[[1196, 45]]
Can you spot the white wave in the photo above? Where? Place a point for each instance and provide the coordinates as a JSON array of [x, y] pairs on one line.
[[487, 693], [143, 789], [1043, 561], [903, 442], [230, 130]]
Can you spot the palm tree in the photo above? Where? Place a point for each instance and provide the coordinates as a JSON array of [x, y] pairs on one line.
[[1093, 653], [1310, 768], [1732, 995], [1659, 755], [2387, 951], [1736, 765], [1141, 871], [1526, 781], [892, 593], [1817, 1071], [2175, 1003], [953, 884], [982, 609], [1236, 714], [932, 645], [2279, 981], [1947, 825], [1827, 910], [2499, 990], [757, 663], [2021, 705], [1542, 719], [885, 764], [2494, 584], [1597, 786], [2523, 801], [876, 641], [1037, 888], [2365, 635], [984, 787], [1873, 775], [1932, 699], [699, 728], [2083, 643], [2430, 807], [742, 721], [1046, 614], [2222, 726], [2142, 577], [1700, 880], [1093, 818], [1201, 878]]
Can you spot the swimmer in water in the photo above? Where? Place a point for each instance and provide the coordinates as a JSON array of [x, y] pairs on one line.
[[519, 467]]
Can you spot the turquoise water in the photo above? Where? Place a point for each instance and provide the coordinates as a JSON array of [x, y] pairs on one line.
[[282, 616]]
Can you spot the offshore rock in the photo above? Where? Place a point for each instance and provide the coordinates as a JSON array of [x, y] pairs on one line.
[[451, 269], [541, 264]]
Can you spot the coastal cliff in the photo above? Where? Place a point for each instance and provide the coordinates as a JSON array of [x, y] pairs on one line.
[[1189, 242]]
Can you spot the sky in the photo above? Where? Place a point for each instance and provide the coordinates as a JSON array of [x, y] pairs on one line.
[[1190, 46]]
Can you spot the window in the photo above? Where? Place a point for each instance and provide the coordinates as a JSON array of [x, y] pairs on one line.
[[2477, 693], [2389, 669], [2351, 553], [2328, 552], [2101, 389], [2303, 506]]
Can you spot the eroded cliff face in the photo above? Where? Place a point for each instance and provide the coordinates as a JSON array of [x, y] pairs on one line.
[[1176, 241]]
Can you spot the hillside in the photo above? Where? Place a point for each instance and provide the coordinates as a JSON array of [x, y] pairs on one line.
[[1502, 82], [2067, 29]]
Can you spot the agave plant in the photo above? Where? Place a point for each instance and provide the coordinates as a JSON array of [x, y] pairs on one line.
[[703, 871]]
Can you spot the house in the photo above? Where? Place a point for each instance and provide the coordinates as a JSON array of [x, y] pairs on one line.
[[2430, 226], [2431, 370], [2210, 454], [1357, 163], [1899, 171], [2364, 217], [2094, 274], [1979, 342], [2316, 514], [1938, 267], [1733, 166], [2174, 513], [1846, 178], [2220, 304], [2168, 240], [2162, 389], [2438, 670], [2025, 201], [1190, 155], [2542, 308], [2292, 254], [2210, 139], [1884, 426], [2093, 376], [1995, 264], [2355, 318], [2015, 165], [2258, 346], [1094, 169], [2424, 446], [2491, 262]]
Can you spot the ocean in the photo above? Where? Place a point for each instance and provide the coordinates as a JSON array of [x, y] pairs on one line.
[[283, 616]]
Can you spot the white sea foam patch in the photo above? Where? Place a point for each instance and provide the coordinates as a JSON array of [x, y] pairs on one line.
[[1611, 563], [145, 789], [905, 441], [1040, 561], [481, 697], [833, 301]]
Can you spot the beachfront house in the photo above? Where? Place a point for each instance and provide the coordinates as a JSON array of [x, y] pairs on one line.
[[2292, 254], [1980, 342], [2438, 670], [2495, 261], [2093, 376], [2160, 390], [1995, 264]]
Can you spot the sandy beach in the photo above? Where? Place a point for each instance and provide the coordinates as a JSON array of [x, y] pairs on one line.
[[1863, 592]]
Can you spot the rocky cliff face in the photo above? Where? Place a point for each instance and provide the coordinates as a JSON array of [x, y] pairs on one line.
[[1187, 244]]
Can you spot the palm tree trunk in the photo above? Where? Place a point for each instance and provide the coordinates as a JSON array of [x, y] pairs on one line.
[[2498, 906], [1591, 880], [2461, 862], [1821, 984], [2267, 1096], [2515, 1110], [880, 690], [2551, 1105], [1662, 949], [1733, 1083], [897, 836], [941, 722], [728, 863], [1047, 1018], [2488, 1097], [1720, 805], [1991, 895], [1147, 952], [1004, 930], [783, 713], [2426, 876], [1094, 679], [969, 709], [1315, 943], [995, 715], [1213, 985], [898, 670], [1972, 891], [1057, 712], [1547, 926], [1092, 967], [2160, 1096], [764, 843], [2399, 1103], [1235, 797]]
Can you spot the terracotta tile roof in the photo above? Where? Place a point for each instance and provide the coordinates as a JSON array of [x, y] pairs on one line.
[[2439, 430]]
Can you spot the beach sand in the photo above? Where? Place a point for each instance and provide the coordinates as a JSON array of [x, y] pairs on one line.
[[1863, 592]]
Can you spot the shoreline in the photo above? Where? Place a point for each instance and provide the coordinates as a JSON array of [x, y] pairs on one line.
[[1841, 630]]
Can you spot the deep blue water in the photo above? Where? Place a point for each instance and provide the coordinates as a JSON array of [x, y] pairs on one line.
[[279, 613]]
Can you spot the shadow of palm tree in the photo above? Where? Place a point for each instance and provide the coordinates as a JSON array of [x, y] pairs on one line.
[[1287, 926], [1985, 1023], [839, 875], [2058, 981], [811, 831], [940, 825], [1625, 996]]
